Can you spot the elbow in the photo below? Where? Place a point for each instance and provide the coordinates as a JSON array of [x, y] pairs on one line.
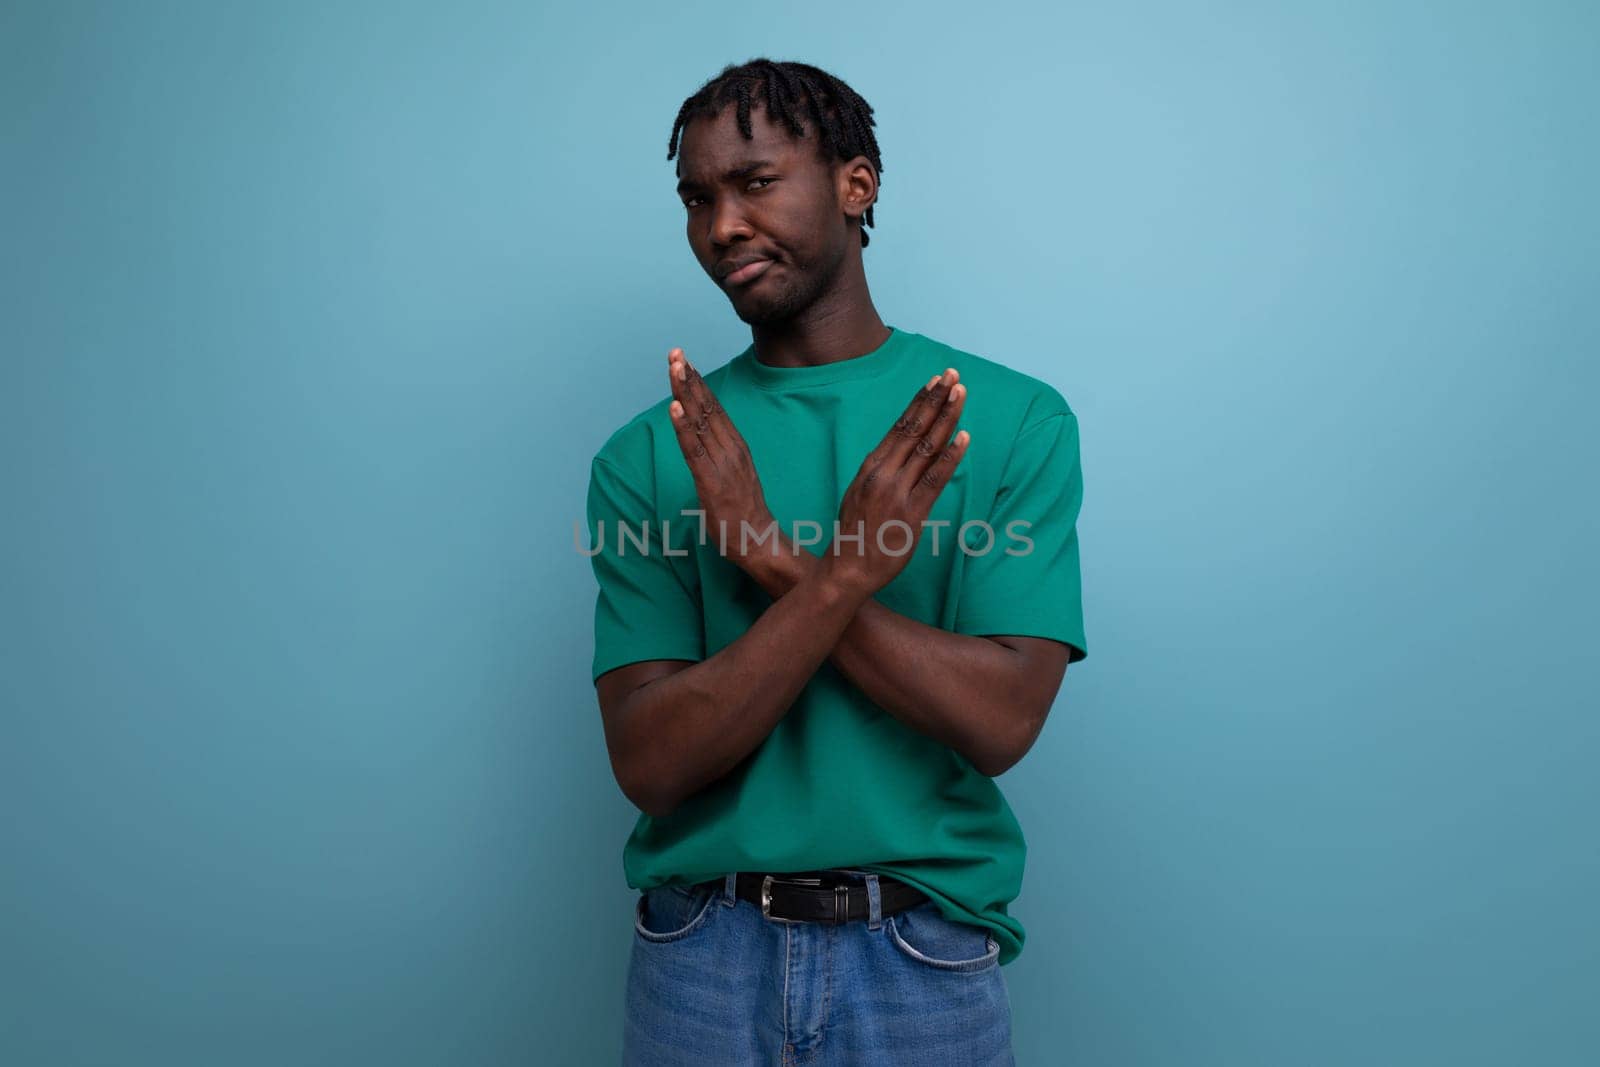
[[640, 775], [1006, 751], [648, 793], [657, 805], [995, 759], [993, 765]]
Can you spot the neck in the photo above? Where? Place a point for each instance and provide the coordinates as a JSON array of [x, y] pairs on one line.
[[841, 324]]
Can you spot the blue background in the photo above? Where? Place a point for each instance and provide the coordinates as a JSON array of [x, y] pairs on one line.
[[313, 316]]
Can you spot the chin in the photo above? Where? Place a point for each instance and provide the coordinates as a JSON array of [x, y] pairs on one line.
[[764, 309], [753, 315], [762, 316], [754, 312]]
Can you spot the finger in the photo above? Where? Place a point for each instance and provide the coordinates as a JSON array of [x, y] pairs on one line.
[[931, 444], [902, 437], [689, 416], [692, 444], [937, 476], [705, 414], [691, 440], [676, 365], [723, 421]]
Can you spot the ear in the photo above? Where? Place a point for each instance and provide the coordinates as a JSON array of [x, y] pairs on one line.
[[858, 186]]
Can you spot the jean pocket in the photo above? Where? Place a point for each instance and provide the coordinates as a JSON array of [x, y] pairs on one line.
[[924, 934], [670, 912]]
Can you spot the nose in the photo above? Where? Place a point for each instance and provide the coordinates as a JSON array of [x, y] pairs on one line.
[[727, 221]]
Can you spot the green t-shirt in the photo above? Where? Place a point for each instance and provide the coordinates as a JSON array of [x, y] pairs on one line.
[[839, 782]]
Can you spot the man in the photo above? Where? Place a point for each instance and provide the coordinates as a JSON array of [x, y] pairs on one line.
[[826, 620]]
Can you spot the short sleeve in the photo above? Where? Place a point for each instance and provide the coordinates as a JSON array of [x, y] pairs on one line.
[[1028, 581], [649, 604]]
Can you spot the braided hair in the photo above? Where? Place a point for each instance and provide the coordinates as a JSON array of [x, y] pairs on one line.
[[843, 119]]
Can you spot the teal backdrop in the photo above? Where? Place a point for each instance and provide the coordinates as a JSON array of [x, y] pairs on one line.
[[313, 315]]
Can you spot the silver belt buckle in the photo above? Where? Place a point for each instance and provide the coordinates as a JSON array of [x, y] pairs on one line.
[[766, 898]]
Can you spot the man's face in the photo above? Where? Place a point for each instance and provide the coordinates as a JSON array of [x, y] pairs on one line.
[[788, 211]]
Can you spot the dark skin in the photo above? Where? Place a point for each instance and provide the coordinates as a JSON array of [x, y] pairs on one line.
[[674, 726]]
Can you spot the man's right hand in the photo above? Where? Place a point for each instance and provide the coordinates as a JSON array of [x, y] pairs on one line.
[[898, 483]]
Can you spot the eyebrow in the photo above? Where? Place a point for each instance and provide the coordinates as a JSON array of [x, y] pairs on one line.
[[741, 171]]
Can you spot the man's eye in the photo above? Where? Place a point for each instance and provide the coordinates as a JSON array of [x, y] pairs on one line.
[[690, 202]]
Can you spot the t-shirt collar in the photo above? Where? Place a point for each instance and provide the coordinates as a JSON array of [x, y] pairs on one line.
[[867, 365]]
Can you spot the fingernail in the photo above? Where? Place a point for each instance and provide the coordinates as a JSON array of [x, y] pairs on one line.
[[960, 389], [931, 381]]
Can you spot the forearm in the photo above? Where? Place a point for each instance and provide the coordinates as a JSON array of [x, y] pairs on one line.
[[694, 726], [966, 692]]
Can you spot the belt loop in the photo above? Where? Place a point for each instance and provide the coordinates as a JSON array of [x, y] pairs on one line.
[[874, 903], [730, 895]]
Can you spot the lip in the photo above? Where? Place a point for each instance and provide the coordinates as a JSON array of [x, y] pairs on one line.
[[748, 272]]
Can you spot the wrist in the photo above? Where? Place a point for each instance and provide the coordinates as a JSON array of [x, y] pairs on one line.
[[845, 574], [780, 566]]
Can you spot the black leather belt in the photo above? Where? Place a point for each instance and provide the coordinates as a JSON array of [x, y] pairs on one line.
[[817, 897]]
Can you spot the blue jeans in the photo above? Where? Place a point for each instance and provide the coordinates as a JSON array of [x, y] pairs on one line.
[[714, 983]]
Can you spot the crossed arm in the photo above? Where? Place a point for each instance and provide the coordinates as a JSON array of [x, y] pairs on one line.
[[674, 726], [986, 697]]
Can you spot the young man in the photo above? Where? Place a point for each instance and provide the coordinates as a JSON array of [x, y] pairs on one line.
[[826, 620]]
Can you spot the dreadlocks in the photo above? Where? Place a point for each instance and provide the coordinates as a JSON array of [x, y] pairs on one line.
[[843, 119]]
